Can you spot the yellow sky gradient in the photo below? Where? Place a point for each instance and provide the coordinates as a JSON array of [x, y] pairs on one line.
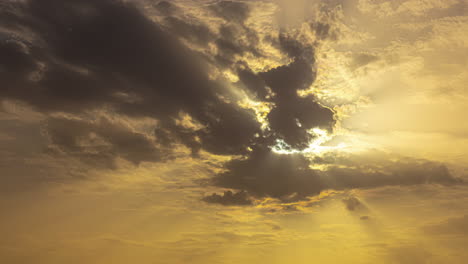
[[395, 73]]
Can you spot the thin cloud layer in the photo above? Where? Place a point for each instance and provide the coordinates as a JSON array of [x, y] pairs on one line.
[[101, 142]]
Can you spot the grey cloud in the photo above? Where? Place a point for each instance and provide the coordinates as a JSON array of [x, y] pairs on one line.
[[231, 11], [294, 48], [290, 208], [407, 174], [265, 173], [363, 59], [88, 56], [352, 203], [26, 163], [193, 32], [81, 55], [235, 39], [254, 83], [229, 198], [292, 115], [232, 37], [84, 58], [165, 7], [323, 30], [101, 142]]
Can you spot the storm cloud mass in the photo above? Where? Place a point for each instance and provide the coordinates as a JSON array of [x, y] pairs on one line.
[[84, 59], [75, 60]]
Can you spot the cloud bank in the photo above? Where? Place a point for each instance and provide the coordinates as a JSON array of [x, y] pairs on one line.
[[77, 61]]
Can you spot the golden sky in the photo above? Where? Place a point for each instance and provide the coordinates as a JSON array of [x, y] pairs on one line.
[[273, 131]]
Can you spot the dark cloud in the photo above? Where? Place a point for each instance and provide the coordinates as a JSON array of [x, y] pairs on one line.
[[235, 40], [293, 116], [25, 163], [231, 11], [80, 56], [363, 59], [229, 198], [100, 142], [352, 203], [293, 47], [193, 32], [85, 58], [15, 61], [254, 83], [232, 38], [276, 227], [265, 173], [165, 7], [396, 173], [323, 30], [290, 208]]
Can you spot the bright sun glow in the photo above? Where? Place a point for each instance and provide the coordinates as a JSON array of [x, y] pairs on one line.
[[261, 110], [315, 146]]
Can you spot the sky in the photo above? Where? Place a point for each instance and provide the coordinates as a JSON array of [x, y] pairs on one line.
[[262, 131]]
